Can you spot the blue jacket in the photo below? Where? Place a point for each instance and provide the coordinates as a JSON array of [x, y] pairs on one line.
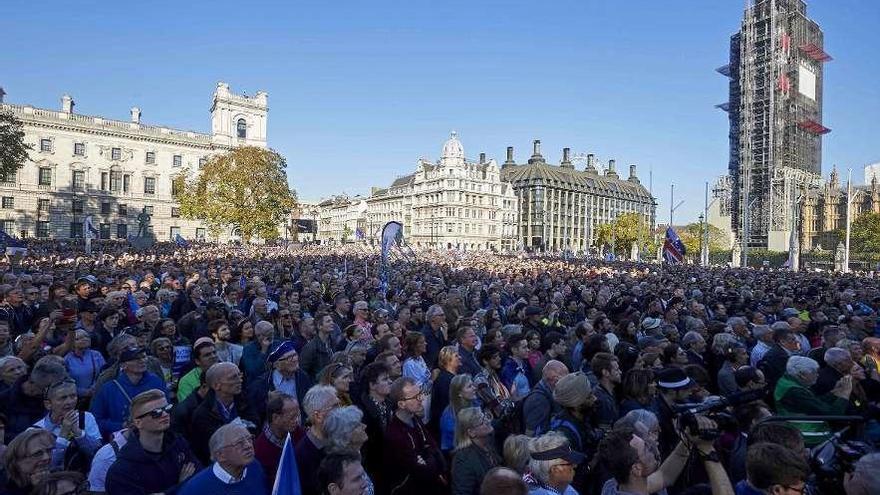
[[137, 471], [110, 405], [254, 483]]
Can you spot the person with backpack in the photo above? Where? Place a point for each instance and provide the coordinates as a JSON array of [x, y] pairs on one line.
[[576, 399], [538, 406]]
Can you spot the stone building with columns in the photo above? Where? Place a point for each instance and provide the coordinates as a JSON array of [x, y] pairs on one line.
[[82, 165], [824, 211], [561, 206]]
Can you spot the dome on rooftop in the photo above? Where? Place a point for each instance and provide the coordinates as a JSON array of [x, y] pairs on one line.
[[453, 152]]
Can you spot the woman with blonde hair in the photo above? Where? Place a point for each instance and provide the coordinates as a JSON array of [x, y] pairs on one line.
[[474, 455], [339, 376], [462, 394], [27, 460]]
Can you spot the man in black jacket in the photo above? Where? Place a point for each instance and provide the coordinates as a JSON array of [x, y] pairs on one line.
[[23, 401], [285, 376], [223, 404], [154, 460], [785, 344]]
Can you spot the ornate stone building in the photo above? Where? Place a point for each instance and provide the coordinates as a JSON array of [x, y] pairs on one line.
[[83, 165], [824, 211], [451, 203], [560, 206]]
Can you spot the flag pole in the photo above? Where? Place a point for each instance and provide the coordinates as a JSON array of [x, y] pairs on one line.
[[848, 220]]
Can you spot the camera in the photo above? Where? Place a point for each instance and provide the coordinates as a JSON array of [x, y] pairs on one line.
[[714, 408]]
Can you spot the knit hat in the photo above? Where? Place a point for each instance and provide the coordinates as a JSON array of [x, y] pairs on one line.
[[572, 390], [281, 350]]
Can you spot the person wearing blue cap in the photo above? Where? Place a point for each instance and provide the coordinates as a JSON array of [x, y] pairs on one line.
[[283, 375], [112, 401]]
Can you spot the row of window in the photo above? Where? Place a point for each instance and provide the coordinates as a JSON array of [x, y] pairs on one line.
[[113, 181], [79, 149], [78, 206]]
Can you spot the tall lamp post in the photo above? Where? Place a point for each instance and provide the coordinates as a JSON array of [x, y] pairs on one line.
[[702, 219]]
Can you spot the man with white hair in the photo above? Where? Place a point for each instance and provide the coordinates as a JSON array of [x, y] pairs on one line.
[[223, 404], [234, 470], [793, 395], [839, 363], [865, 478], [317, 404], [738, 327], [551, 465], [695, 345]]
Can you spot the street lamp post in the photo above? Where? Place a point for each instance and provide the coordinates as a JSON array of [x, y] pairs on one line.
[[702, 218]]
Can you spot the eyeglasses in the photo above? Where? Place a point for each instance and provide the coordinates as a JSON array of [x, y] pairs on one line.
[[156, 413], [241, 443], [419, 396], [39, 454]]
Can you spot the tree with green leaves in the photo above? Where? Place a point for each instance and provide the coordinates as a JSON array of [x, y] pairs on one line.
[[864, 234], [244, 189], [630, 228], [13, 149], [690, 236], [604, 235], [346, 233]]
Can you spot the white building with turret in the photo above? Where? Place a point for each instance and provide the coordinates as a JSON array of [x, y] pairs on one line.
[[111, 169]]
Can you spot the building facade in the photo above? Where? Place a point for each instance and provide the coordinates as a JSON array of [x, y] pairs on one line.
[[560, 206], [340, 218], [451, 203], [775, 114], [823, 212], [82, 165]]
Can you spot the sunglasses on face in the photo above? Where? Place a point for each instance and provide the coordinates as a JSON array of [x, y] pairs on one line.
[[156, 413]]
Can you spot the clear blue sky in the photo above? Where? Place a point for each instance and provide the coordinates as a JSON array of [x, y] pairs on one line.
[[359, 90]]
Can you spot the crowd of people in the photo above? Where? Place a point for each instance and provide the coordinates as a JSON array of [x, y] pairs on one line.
[[190, 370]]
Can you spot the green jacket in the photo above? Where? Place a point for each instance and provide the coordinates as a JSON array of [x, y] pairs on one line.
[[793, 399]]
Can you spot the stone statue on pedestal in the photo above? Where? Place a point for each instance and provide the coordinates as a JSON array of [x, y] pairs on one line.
[[840, 258], [144, 238]]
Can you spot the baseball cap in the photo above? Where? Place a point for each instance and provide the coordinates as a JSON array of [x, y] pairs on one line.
[[563, 452], [130, 354]]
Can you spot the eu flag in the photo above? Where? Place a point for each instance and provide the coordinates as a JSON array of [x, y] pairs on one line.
[[287, 477]]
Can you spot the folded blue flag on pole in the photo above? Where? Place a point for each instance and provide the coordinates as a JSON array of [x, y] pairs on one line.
[[11, 245], [287, 477], [180, 241]]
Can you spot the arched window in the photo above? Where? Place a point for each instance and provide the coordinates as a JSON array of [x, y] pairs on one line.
[[241, 127]]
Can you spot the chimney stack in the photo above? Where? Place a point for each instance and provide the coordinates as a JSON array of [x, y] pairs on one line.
[[509, 160], [566, 158], [67, 104], [591, 163], [136, 115], [632, 174], [536, 152], [611, 172], [482, 158]]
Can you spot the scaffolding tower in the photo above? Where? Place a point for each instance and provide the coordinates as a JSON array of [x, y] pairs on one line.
[[775, 114]]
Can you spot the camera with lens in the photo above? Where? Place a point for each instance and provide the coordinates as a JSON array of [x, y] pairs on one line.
[[833, 459], [716, 409]]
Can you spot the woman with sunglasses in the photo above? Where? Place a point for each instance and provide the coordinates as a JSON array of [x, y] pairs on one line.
[[27, 460], [181, 346]]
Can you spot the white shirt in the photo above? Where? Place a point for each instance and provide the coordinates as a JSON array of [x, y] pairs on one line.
[[102, 461], [282, 385], [225, 477]]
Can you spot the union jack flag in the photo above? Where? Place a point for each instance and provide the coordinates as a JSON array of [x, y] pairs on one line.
[[673, 248]]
